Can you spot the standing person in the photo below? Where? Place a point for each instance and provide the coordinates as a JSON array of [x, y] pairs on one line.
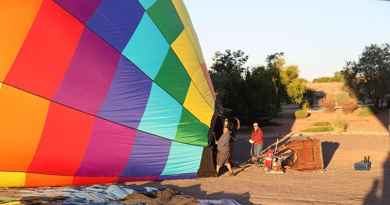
[[223, 146], [257, 140], [234, 126]]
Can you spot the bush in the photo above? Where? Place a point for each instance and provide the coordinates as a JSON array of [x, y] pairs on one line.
[[350, 91], [329, 103], [342, 97], [340, 125], [345, 101], [319, 129], [306, 105], [300, 114], [349, 106], [365, 112], [322, 124]]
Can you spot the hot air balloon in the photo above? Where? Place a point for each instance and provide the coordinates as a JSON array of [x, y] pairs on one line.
[[100, 91]]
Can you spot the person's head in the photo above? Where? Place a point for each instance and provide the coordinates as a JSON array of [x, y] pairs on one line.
[[255, 126], [226, 130], [226, 122]]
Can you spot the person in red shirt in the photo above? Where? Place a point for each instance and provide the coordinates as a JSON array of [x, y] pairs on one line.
[[257, 140]]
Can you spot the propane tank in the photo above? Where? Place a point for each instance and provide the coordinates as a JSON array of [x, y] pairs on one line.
[[268, 159]]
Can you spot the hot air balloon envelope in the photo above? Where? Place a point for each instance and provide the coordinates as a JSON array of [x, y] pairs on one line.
[[100, 91]]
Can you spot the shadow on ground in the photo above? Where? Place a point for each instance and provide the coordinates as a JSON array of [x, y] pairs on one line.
[[380, 190], [196, 191], [383, 116], [328, 151]]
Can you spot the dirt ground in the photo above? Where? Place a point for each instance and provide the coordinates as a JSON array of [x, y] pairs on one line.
[[337, 184]]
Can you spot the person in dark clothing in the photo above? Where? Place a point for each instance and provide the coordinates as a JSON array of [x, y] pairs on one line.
[[223, 155], [388, 102], [234, 126]]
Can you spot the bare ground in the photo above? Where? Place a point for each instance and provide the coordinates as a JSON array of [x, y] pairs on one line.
[[337, 184]]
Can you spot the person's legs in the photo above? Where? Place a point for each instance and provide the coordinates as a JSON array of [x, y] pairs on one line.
[[229, 166], [231, 153], [220, 161], [255, 150], [258, 149]]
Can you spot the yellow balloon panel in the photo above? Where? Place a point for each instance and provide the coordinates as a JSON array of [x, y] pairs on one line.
[[185, 18], [189, 29], [13, 179], [21, 123], [16, 18], [197, 106], [184, 50]]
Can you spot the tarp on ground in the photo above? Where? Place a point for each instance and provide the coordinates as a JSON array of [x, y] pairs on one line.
[[107, 195]]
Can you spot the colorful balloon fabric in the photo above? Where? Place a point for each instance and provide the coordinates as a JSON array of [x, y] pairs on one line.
[[100, 91]]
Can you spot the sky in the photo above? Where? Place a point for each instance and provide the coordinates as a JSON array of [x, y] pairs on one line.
[[318, 36]]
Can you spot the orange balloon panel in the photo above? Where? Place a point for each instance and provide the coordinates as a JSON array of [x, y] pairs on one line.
[[14, 29], [22, 120], [37, 180]]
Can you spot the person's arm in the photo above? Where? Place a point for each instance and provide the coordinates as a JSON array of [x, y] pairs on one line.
[[238, 123], [251, 140], [215, 138]]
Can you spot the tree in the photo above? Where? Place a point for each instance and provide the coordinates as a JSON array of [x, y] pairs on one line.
[[255, 93], [261, 94], [295, 86], [292, 73], [296, 91], [229, 61], [370, 75], [227, 74], [275, 64]]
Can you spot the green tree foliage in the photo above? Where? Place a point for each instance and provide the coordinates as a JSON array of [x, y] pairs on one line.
[[261, 94], [289, 87], [227, 74], [295, 86], [296, 91], [292, 73], [275, 65], [229, 62], [255, 93], [369, 77]]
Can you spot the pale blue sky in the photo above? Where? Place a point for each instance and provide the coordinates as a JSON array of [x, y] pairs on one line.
[[318, 36]]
